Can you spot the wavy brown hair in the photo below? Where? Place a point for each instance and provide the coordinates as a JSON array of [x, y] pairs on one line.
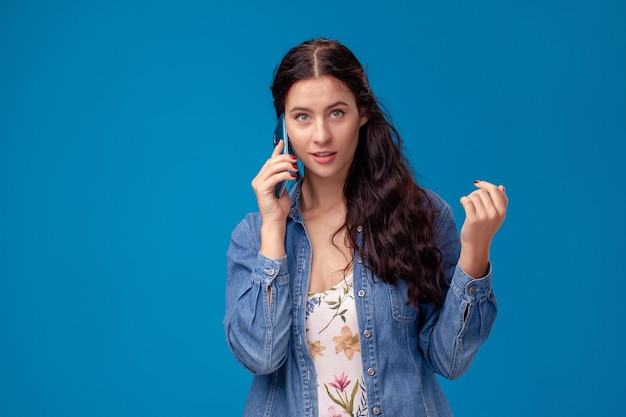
[[380, 191]]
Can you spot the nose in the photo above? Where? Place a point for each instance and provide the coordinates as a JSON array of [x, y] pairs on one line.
[[321, 132]]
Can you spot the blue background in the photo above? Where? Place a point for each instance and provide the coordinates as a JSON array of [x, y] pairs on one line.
[[130, 132]]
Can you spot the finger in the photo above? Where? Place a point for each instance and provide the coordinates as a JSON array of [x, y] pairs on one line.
[[480, 202], [468, 206], [278, 163], [484, 203], [278, 155], [278, 148], [483, 184], [496, 193], [505, 198], [283, 166], [280, 177]]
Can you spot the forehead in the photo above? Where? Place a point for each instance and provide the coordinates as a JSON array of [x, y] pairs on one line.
[[318, 90]]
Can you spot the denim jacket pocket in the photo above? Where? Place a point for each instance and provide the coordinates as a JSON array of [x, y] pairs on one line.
[[401, 310]]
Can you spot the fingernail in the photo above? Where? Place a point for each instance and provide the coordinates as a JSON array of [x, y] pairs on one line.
[[295, 158], [293, 175], [294, 166], [476, 181]]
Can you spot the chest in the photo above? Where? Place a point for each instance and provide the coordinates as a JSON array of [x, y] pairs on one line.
[[331, 255]]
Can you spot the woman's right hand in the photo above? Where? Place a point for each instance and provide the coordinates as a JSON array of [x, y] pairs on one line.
[[279, 167]]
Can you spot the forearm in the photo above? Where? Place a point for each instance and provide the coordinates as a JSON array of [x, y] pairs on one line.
[[273, 239], [258, 314], [257, 319], [453, 336], [474, 259]]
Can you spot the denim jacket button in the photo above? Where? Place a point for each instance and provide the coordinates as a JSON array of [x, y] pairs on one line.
[[371, 371], [367, 333], [359, 229], [360, 260], [472, 290], [376, 410], [270, 272], [361, 293]]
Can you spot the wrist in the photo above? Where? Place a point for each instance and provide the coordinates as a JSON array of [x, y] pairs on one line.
[[474, 261], [273, 240]]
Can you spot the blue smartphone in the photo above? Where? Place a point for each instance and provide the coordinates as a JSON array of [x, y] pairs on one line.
[[280, 132]]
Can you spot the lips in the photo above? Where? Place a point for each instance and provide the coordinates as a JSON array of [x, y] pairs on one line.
[[323, 157]]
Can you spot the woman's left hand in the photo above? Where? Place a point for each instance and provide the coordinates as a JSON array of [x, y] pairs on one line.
[[485, 210]]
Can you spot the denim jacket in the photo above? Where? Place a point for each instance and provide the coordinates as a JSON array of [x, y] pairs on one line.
[[402, 349]]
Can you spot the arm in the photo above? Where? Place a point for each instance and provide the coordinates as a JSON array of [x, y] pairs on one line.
[[452, 335], [258, 303]]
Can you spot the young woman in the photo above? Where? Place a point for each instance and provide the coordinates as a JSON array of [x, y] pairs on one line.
[[345, 297]]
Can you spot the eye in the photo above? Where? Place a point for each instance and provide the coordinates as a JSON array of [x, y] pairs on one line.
[[301, 117], [336, 114]]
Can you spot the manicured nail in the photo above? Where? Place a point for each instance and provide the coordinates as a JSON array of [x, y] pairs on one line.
[[295, 158], [476, 181], [293, 175], [294, 166]]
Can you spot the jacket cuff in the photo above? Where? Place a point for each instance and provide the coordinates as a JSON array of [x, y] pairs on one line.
[[267, 270], [469, 288]]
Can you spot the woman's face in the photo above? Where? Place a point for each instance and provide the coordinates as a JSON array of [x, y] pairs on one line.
[[323, 124]]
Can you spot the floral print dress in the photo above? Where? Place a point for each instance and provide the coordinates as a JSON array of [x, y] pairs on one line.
[[333, 338]]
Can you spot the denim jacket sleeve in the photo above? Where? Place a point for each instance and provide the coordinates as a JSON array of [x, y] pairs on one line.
[[257, 328], [450, 336]]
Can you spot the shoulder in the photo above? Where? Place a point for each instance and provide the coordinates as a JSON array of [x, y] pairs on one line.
[[251, 221], [443, 218], [248, 228], [432, 200]]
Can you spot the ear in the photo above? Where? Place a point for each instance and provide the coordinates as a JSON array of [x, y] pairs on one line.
[[364, 117]]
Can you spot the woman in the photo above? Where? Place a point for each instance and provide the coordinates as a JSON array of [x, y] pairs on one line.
[[348, 295]]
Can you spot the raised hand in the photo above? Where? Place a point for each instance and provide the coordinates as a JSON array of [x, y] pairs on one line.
[[274, 211], [485, 210], [278, 167]]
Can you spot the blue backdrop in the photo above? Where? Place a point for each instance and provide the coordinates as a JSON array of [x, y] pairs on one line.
[[130, 132]]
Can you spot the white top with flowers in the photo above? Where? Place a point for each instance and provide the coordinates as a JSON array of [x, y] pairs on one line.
[[332, 334]]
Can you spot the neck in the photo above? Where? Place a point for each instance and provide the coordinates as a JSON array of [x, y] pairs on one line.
[[321, 194]]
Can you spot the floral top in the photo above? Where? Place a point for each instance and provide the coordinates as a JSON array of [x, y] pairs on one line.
[[333, 339]]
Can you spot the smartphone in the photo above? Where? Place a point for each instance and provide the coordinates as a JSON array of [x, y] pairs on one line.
[[280, 132]]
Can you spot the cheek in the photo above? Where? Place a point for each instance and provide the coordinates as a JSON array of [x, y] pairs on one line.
[[296, 143], [349, 133]]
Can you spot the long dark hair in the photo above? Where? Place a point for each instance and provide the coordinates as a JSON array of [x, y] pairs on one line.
[[380, 191]]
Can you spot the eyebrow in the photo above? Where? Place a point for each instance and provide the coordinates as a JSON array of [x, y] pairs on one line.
[[335, 104]]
